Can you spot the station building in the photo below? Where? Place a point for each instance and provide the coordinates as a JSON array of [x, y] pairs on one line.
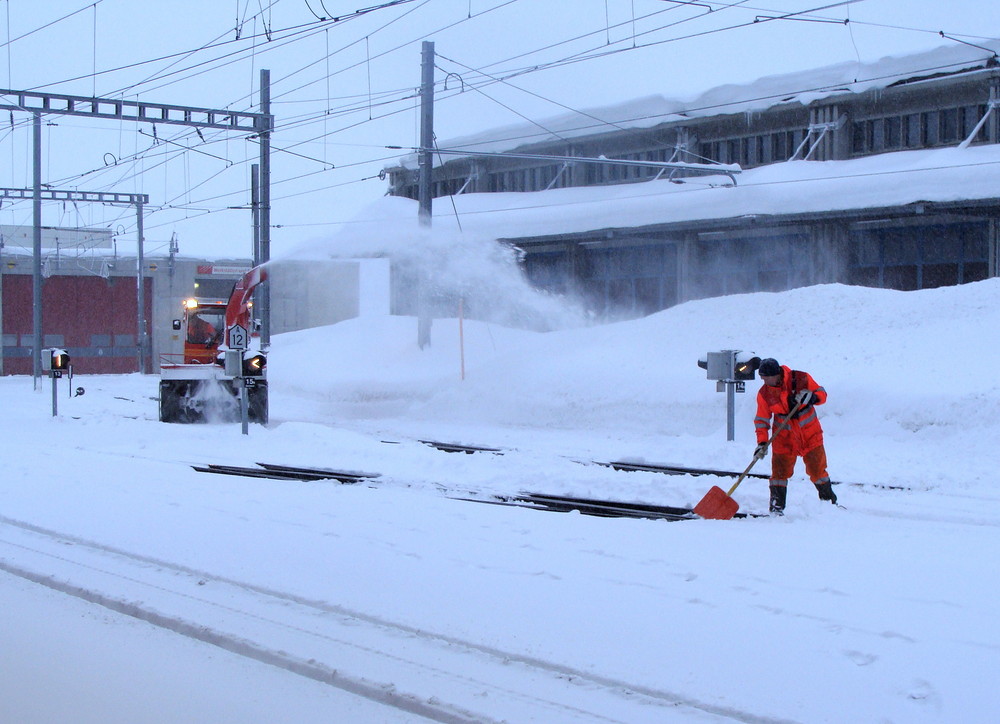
[[90, 298], [884, 174]]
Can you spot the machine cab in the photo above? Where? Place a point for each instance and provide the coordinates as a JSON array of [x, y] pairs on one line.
[[204, 327]]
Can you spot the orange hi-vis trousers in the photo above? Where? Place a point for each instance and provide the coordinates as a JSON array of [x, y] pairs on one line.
[[782, 466]]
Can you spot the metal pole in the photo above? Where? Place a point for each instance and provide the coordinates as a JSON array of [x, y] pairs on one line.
[[731, 410], [244, 405], [140, 290], [255, 216], [36, 297], [255, 210], [426, 160], [265, 204], [426, 132], [55, 405]]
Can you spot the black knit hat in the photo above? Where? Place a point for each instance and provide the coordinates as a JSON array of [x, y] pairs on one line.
[[769, 367]]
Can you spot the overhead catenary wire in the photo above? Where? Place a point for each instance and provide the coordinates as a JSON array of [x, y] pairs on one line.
[[600, 53], [93, 3], [393, 49], [306, 119], [484, 12], [505, 80], [721, 6], [757, 99], [291, 32], [503, 4]]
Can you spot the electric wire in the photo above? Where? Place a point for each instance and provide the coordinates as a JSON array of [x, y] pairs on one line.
[[89, 5], [188, 54], [726, 6], [138, 64], [390, 157], [601, 53], [308, 31], [454, 61]]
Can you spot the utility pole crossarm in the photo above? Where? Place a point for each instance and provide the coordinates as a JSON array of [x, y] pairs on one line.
[[118, 109]]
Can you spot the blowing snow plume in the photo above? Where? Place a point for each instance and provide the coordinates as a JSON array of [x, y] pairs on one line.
[[433, 270]]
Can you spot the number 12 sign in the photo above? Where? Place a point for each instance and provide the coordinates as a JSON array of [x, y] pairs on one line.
[[238, 337]]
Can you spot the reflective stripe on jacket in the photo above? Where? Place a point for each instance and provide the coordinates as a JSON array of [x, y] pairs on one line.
[[803, 433]]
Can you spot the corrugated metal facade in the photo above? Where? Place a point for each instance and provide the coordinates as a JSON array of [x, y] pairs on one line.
[[92, 318]]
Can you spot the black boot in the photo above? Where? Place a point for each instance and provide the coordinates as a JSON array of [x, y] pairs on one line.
[[825, 490], [778, 493]]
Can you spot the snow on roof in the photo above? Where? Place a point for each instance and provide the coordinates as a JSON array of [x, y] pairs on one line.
[[802, 87], [793, 187]]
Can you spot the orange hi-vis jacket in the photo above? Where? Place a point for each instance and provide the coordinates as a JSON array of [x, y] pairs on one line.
[[803, 433]]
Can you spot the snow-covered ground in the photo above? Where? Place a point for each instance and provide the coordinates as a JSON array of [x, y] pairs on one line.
[[220, 598]]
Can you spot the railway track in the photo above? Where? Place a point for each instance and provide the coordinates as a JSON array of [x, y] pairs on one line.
[[526, 499]]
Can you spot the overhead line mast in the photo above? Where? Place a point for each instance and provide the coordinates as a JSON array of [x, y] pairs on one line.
[[37, 103]]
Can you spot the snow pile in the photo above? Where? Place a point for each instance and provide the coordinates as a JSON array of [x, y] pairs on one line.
[[912, 368]]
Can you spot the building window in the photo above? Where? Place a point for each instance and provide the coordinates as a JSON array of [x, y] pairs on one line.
[[912, 131], [779, 147], [972, 115], [921, 257], [917, 130], [858, 137], [635, 280], [893, 132], [732, 151], [877, 135], [949, 119], [931, 126]]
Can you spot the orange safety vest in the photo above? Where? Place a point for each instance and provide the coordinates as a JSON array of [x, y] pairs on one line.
[[803, 433]]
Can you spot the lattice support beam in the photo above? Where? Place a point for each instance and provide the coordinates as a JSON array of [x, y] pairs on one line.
[[100, 197], [115, 109]]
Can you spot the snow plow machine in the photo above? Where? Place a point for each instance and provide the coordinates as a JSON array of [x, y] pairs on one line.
[[199, 385]]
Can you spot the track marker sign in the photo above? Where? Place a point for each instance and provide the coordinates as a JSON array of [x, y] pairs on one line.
[[238, 337]]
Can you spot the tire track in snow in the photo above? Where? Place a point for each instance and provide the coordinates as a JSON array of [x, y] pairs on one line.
[[243, 647], [575, 686]]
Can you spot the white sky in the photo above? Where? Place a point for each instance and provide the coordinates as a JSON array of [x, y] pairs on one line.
[[367, 59]]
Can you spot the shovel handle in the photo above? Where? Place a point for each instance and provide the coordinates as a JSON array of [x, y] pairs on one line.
[[785, 421]]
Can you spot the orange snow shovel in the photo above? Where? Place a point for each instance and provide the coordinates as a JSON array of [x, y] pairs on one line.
[[717, 503]]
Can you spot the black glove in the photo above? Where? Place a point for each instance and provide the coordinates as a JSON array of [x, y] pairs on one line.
[[760, 451], [825, 491], [804, 398]]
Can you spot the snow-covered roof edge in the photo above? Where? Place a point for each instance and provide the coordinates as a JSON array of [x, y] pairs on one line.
[[890, 180], [802, 87]]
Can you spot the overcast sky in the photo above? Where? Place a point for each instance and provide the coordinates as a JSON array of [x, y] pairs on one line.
[[344, 90]]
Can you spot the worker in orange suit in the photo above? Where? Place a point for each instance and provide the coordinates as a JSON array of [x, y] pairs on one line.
[[801, 436]]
